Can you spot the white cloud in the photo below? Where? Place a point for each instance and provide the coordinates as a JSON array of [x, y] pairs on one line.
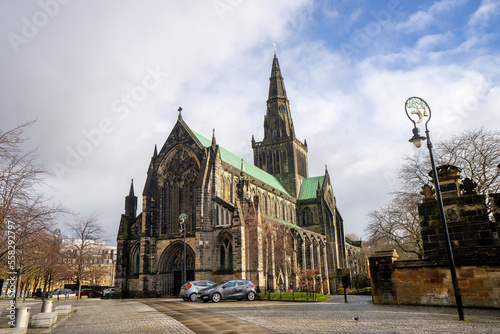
[[425, 18], [429, 42], [482, 16], [352, 115]]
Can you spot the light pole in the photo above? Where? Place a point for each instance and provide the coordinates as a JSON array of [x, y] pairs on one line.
[[420, 110], [356, 273], [182, 220]]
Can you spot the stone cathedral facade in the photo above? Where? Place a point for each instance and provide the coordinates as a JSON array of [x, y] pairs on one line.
[[269, 222]]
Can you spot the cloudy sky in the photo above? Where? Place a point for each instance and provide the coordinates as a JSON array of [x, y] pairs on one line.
[[104, 79]]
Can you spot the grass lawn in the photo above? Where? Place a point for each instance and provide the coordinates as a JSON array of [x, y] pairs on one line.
[[298, 296]]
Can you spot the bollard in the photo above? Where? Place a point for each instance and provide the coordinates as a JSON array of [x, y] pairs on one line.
[[47, 306], [22, 317]]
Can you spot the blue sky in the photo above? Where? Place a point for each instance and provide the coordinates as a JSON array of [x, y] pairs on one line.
[[105, 79]]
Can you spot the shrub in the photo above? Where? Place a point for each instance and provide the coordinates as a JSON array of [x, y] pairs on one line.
[[364, 291], [340, 291]]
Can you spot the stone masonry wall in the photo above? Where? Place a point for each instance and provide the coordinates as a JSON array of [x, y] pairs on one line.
[[427, 282]]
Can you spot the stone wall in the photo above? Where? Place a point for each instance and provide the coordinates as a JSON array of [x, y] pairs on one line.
[[475, 245], [427, 282]]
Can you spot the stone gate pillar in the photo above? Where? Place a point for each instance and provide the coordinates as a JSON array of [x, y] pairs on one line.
[[381, 269]]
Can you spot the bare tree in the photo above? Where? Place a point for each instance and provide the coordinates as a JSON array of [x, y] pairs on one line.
[[26, 215], [398, 223], [476, 152], [272, 238], [23, 207], [83, 250], [307, 278]]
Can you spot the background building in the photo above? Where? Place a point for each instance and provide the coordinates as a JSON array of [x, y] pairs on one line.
[[99, 264]]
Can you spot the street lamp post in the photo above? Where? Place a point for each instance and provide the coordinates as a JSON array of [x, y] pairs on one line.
[[356, 284], [182, 220], [421, 110]]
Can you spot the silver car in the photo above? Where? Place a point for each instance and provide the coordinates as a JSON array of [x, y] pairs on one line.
[[62, 292], [229, 289], [189, 291], [108, 292]]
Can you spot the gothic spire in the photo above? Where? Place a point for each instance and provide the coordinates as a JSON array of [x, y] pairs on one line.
[[131, 202], [131, 192], [214, 142], [278, 121], [242, 167], [276, 86]]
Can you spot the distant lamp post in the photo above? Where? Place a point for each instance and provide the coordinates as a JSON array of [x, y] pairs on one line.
[[182, 223], [417, 111], [356, 273]]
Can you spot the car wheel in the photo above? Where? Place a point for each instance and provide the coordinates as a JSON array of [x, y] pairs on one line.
[[193, 297], [216, 297], [251, 296]]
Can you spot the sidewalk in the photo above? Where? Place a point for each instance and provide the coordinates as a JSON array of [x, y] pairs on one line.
[[107, 316], [159, 315]]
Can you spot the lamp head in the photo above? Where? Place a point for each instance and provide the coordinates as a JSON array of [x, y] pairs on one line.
[[417, 139], [417, 111]]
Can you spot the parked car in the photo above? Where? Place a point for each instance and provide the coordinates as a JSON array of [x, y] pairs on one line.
[[90, 293], [229, 289], [62, 292], [108, 292], [189, 291]]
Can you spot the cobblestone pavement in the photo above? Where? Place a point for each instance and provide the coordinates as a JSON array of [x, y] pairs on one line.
[[335, 316], [108, 316], [117, 316], [205, 320]]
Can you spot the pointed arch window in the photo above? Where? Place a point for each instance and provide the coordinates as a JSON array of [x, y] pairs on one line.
[[226, 254], [307, 217], [277, 157], [181, 199], [164, 210], [270, 162], [137, 263], [226, 190]]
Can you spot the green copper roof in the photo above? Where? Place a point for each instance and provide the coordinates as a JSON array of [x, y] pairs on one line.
[[309, 187], [250, 169], [281, 221]]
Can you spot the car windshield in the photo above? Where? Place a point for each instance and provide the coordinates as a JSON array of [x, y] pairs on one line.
[[219, 284]]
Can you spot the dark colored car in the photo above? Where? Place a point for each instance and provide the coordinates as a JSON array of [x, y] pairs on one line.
[[189, 291], [229, 289], [90, 293]]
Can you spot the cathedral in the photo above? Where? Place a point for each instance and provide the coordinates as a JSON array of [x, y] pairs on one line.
[[209, 215]]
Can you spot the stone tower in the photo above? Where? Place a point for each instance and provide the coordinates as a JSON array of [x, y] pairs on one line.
[[280, 153]]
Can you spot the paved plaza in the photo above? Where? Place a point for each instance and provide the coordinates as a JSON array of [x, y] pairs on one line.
[[333, 316]]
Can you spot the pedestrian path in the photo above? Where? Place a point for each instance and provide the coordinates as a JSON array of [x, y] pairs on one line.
[[173, 315], [203, 320], [114, 316]]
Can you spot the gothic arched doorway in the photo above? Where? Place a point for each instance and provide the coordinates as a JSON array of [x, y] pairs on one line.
[[170, 268]]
